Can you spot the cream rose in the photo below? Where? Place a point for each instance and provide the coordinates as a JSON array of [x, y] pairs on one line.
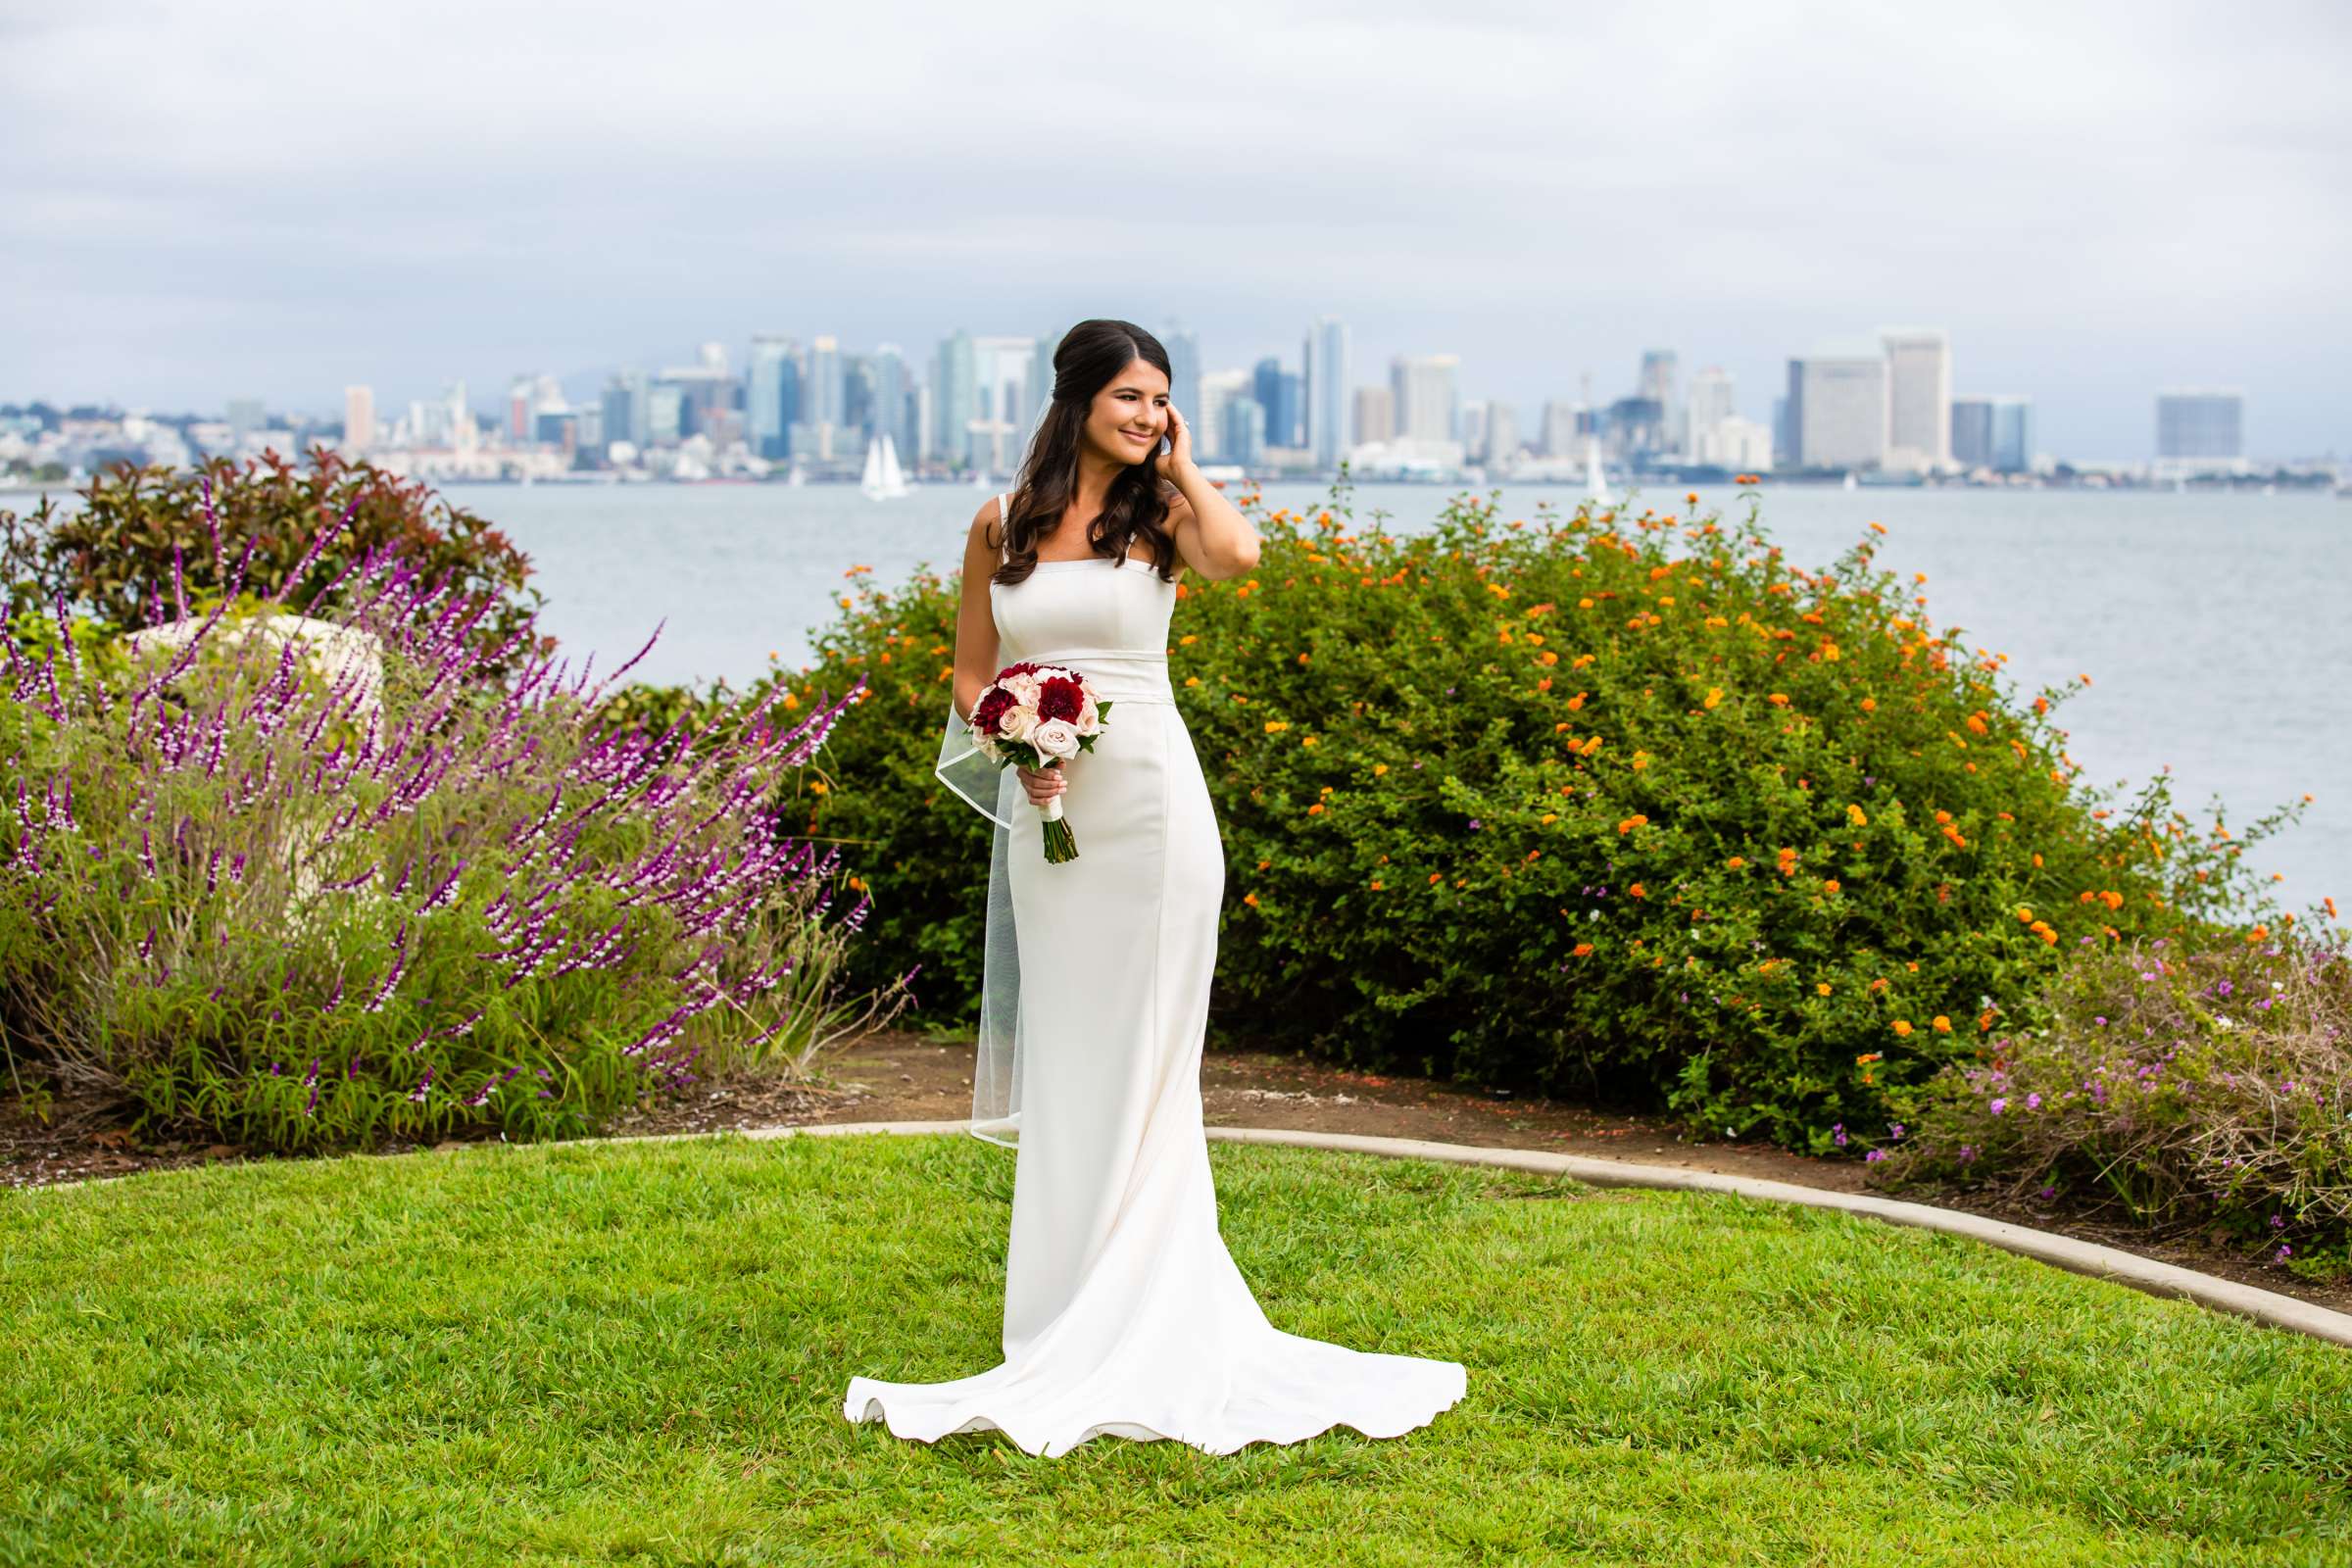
[[1054, 737], [1017, 723]]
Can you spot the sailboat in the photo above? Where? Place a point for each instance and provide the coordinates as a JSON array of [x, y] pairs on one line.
[[798, 474], [883, 481]]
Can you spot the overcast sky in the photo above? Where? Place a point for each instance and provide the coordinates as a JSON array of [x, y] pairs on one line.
[[206, 199]]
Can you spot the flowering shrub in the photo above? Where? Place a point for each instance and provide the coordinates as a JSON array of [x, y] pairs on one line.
[[1615, 805], [338, 880], [2209, 1085], [146, 543]]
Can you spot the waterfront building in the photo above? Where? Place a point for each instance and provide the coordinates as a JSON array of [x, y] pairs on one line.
[[1375, 415], [1919, 399], [955, 398], [1218, 390], [771, 393], [1501, 437], [1244, 432], [1327, 390], [2200, 427], [1427, 399], [359, 421], [1995, 433], [1836, 414], [1184, 373]]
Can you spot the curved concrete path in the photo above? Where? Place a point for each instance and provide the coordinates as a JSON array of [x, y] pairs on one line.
[[2080, 1258]]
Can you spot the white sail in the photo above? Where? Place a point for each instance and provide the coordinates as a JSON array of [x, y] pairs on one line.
[[883, 481], [1594, 486]]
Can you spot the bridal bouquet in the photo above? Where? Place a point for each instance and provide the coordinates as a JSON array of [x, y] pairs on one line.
[[1040, 715]]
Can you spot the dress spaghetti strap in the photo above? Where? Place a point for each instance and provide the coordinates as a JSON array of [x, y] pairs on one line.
[[1003, 526]]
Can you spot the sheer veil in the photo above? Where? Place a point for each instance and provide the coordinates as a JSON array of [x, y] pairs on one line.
[[994, 792]]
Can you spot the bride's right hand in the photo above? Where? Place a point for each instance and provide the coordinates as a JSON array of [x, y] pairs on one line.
[[1042, 784]]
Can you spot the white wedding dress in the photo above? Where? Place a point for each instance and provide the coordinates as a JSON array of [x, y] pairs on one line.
[[1123, 1311]]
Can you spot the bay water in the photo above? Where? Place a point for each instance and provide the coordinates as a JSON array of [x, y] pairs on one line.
[[2214, 625]]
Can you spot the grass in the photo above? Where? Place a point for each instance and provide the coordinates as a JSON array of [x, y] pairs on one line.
[[637, 1353]]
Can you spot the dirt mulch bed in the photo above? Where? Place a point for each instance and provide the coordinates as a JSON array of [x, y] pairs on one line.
[[900, 1076]]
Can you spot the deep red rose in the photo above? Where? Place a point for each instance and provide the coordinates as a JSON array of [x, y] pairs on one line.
[[1059, 698], [993, 703]]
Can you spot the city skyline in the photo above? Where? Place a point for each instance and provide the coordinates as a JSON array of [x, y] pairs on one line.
[[1537, 192]]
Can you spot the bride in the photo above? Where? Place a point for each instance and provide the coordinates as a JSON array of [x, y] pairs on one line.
[[1123, 1311]]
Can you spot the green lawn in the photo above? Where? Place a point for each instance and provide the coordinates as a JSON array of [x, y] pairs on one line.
[[638, 1353]]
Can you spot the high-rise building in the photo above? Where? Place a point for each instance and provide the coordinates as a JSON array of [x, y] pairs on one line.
[[1428, 405], [518, 409], [1919, 399], [1184, 378], [359, 421], [1326, 389], [1836, 417], [891, 378], [1501, 443], [1218, 390], [1657, 387], [1972, 432], [2201, 424], [825, 397], [1277, 392], [664, 414], [998, 431], [1561, 435], [1657, 377], [1374, 414], [772, 394], [2012, 434], [245, 416], [1474, 430], [625, 412], [954, 399], [1711, 401], [1245, 439]]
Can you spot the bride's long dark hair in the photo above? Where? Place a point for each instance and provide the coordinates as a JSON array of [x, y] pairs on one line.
[[1086, 360]]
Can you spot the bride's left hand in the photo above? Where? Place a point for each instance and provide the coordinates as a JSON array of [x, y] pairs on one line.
[[1179, 456]]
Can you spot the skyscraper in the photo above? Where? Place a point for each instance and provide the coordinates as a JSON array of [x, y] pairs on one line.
[[824, 401], [955, 398], [1219, 389], [1184, 377], [772, 394], [359, 421], [1374, 414], [1838, 406], [1277, 392], [1919, 399], [1000, 425], [1657, 377], [1972, 432], [1711, 400], [2201, 426], [1244, 434], [890, 380], [1427, 400], [2012, 434], [1326, 390]]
